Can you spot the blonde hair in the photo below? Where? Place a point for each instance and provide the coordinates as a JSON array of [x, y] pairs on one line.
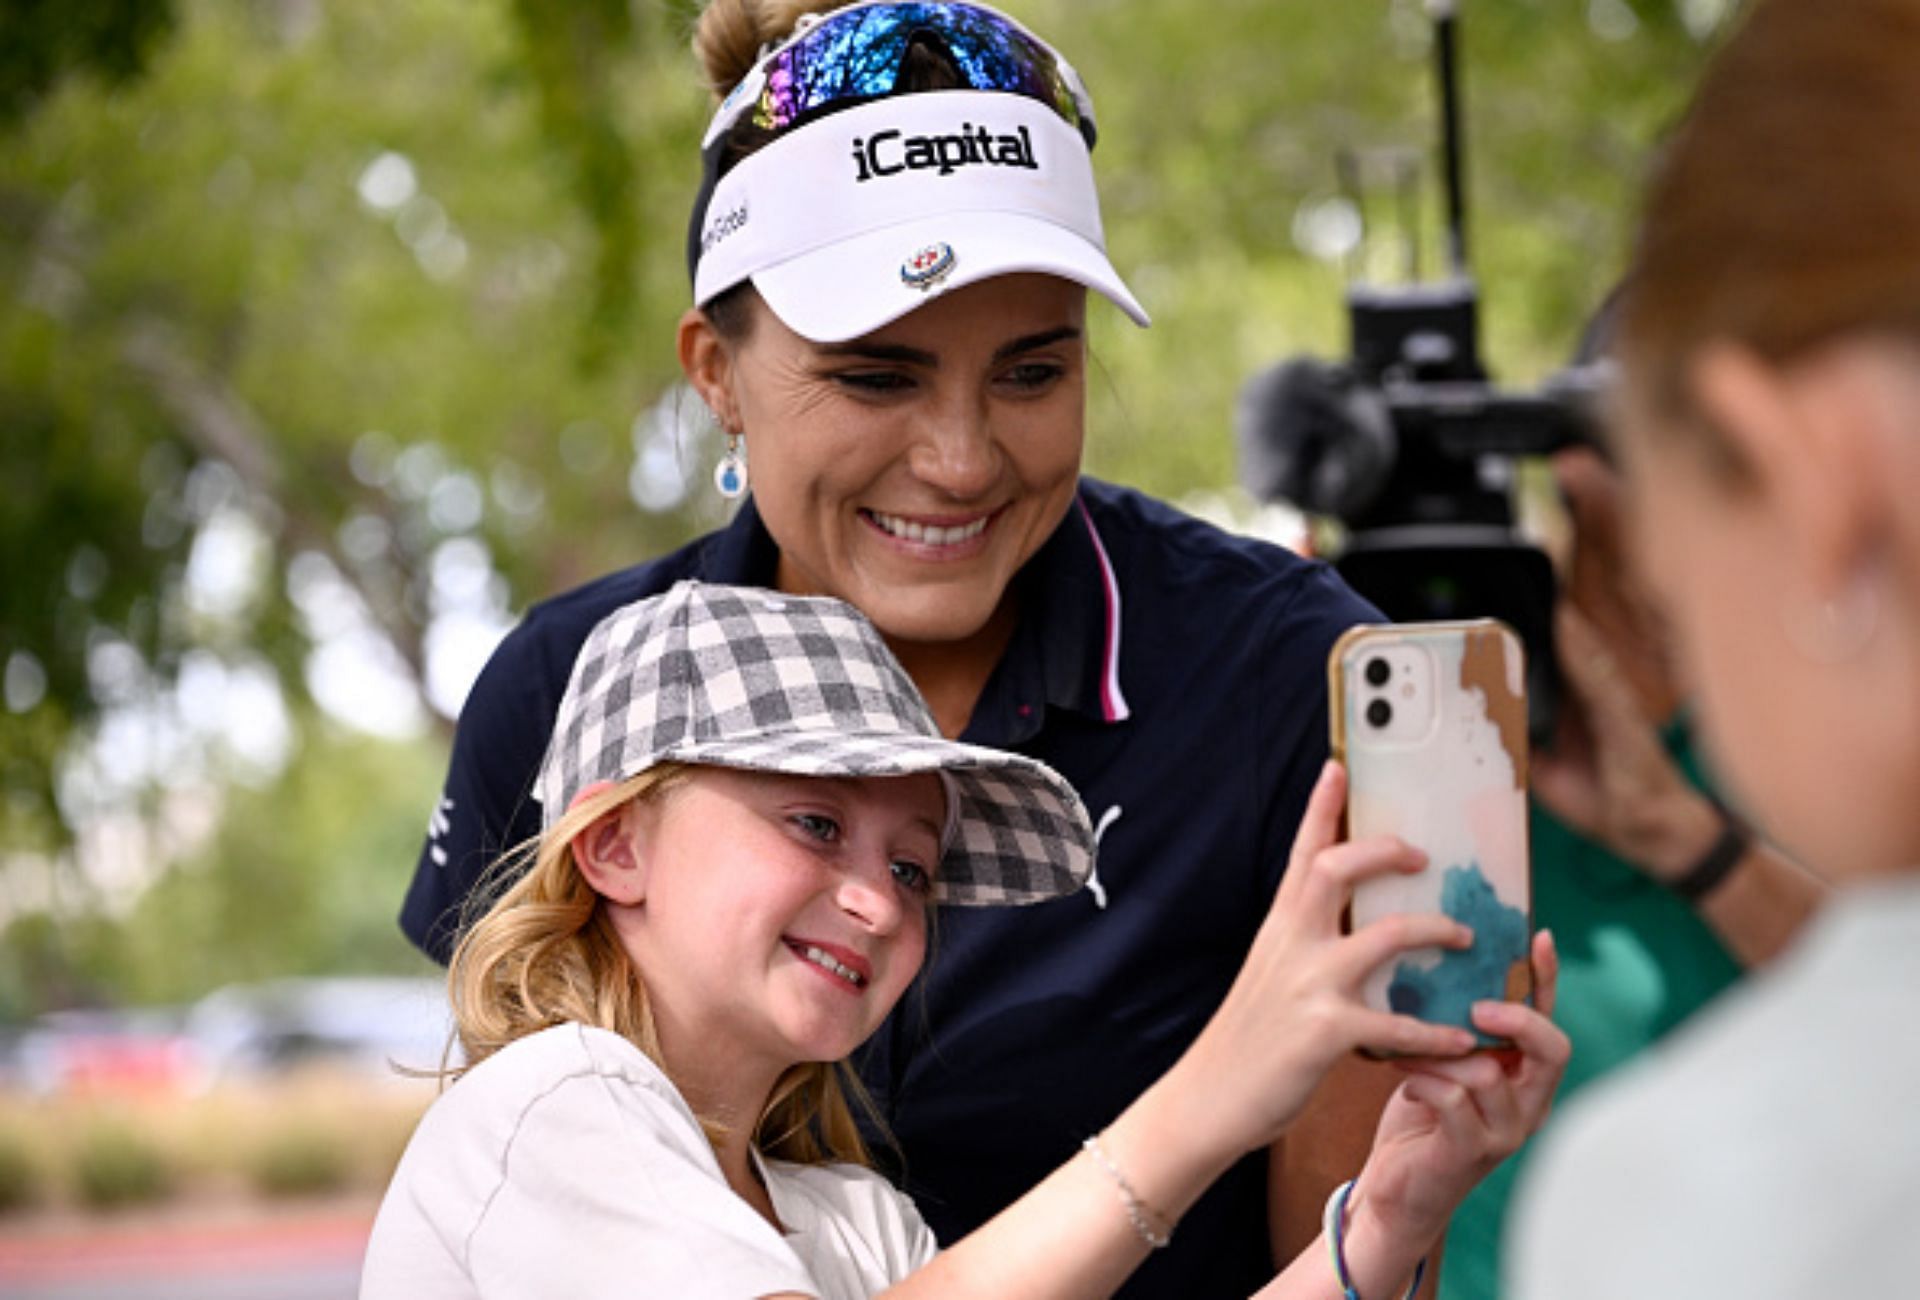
[[546, 953], [730, 34]]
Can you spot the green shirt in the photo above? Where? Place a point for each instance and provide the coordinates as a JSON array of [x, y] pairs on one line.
[[1634, 962]]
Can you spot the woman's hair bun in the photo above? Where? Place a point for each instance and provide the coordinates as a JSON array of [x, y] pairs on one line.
[[731, 33]]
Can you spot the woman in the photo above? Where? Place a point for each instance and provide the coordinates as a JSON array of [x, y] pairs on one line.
[[748, 816], [1770, 345], [890, 253]]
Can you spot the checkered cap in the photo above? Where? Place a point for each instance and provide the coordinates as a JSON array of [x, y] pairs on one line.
[[742, 678]]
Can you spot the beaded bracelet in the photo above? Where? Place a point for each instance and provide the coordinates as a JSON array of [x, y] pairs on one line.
[[1136, 1211], [1335, 1226]]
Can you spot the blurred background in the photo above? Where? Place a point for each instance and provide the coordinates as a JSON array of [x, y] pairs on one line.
[[334, 334]]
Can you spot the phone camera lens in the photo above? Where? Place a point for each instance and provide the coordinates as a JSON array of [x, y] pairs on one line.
[[1379, 713], [1379, 671]]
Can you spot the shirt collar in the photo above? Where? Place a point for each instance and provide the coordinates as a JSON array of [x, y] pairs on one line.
[[1070, 619], [795, 1212], [742, 554], [1068, 638]]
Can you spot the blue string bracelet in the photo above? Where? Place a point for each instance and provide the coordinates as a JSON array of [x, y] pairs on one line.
[[1335, 1226]]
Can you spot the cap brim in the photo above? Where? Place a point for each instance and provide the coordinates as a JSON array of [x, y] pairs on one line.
[[1021, 834], [854, 286]]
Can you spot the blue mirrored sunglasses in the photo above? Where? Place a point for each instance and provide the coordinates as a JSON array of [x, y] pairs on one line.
[[857, 54]]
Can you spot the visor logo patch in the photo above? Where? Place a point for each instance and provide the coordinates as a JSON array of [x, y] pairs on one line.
[[927, 267]]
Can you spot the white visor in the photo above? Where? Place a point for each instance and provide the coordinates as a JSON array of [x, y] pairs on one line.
[[854, 220]]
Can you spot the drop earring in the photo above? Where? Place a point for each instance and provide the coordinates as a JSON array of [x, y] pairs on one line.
[[730, 475]]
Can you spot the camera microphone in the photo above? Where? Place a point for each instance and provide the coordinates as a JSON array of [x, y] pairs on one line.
[[1309, 434]]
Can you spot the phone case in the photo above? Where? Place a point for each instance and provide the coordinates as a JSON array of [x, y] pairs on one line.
[[1431, 722]]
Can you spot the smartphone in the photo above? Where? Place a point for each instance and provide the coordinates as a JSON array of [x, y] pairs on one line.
[[1431, 722]]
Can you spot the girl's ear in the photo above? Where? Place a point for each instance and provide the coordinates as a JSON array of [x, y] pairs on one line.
[[708, 363], [611, 854], [1814, 436]]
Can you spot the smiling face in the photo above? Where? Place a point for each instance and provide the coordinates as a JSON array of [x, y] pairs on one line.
[[912, 472], [781, 917]]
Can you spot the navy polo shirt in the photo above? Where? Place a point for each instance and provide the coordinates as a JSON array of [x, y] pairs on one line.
[[1177, 676]]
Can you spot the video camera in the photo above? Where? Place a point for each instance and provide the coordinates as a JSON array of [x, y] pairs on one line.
[[1414, 450]]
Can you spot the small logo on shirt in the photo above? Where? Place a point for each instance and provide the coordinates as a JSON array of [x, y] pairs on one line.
[[1094, 887], [438, 825]]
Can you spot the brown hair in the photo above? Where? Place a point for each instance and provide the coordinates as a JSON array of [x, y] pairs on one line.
[[729, 35], [546, 953], [1785, 211]]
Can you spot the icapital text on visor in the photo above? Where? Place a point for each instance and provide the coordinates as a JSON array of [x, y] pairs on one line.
[[890, 152]]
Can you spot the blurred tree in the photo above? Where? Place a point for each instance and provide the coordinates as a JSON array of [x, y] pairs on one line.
[[350, 325], [298, 879], [51, 39], [575, 53], [291, 280]]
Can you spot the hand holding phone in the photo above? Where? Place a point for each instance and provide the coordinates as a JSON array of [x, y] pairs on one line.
[[1431, 722]]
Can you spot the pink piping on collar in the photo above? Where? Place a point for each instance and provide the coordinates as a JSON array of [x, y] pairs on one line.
[[1113, 705]]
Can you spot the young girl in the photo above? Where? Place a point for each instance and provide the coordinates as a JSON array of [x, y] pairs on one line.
[[748, 814], [1768, 420]]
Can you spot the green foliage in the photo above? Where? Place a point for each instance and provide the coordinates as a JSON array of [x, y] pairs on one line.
[[573, 53], [51, 39], [1215, 134], [45, 963], [301, 1161], [21, 1184], [303, 878], [116, 1166], [188, 275]]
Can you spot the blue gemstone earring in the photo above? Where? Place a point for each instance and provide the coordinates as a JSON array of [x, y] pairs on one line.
[[730, 475]]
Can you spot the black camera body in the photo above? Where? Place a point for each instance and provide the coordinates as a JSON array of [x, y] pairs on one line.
[[1411, 447]]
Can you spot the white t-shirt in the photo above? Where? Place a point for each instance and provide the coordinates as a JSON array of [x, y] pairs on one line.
[[567, 1166], [1769, 1151]]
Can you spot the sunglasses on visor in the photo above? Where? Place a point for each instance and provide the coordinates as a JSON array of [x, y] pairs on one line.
[[858, 54]]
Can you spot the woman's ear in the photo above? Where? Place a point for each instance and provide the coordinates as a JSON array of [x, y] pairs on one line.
[[708, 362], [611, 854]]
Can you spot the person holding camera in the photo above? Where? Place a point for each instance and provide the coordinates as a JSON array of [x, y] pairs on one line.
[[890, 254], [1622, 771], [1769, 344]]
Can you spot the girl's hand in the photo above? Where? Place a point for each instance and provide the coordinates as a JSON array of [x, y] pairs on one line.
[[1452, 1121], [1296, 1008]]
